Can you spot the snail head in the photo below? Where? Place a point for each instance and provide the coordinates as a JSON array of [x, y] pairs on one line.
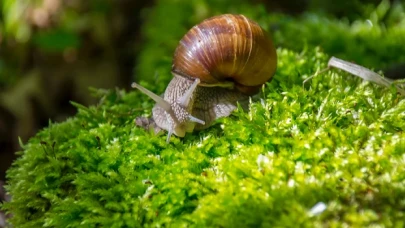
[[177, 119]]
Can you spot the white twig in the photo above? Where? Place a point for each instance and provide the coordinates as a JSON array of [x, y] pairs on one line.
[[363, 73], [359, 71]]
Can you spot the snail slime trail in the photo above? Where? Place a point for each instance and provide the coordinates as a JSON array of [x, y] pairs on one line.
[[218, 63]]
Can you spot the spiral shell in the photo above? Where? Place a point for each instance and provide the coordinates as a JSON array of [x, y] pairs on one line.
[[227, 48]]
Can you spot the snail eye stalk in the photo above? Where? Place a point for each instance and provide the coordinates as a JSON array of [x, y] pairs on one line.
[[159, 100], [186, 98]]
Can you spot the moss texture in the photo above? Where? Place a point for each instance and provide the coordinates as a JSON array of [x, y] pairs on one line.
[[336, 140]]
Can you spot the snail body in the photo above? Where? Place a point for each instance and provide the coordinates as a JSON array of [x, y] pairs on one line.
[[219, 62]]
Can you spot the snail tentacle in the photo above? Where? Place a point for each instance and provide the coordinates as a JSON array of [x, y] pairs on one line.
[[169, 134], [159, 100], [196, 120], [186, 98]]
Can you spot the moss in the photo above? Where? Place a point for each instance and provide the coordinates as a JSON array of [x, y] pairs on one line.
[[372, 41], [336, 139]]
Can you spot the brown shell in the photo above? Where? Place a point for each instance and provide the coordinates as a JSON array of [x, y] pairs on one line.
[[227, 48]]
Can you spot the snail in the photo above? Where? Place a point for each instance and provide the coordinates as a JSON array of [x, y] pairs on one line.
[[221, 61]]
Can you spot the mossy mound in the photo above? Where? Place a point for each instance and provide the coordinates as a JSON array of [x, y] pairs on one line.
[[336, 140]]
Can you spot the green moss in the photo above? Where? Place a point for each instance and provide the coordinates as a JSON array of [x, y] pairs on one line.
[[373, 41], [336, 139]]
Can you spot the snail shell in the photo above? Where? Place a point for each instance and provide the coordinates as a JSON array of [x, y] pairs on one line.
[[227, 48], [218, 63]]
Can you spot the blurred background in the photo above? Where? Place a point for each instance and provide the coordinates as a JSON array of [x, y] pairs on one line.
[[53, 51]]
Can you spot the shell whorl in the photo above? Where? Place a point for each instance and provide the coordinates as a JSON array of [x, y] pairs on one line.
[[227, 48]]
